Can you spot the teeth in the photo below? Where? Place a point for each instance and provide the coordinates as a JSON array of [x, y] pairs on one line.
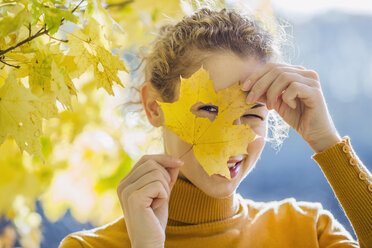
[[230, 165]]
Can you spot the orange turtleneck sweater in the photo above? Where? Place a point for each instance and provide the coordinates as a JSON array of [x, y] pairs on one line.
[[198, 220]]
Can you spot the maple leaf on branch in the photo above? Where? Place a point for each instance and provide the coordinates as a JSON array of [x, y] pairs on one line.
[[88, 47], [47, 67]]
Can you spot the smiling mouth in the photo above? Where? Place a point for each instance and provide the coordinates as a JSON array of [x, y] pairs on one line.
[[230, 165], [234, 161], [234, 164]]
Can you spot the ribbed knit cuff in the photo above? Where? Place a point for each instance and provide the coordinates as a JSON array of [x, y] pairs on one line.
[[333, 160], [351, 182]]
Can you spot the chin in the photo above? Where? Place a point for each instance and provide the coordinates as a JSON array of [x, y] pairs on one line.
[[222, 193], [216, 186]]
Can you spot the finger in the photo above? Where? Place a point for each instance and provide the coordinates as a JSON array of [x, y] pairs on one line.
[[308, 95], [145, 196], [299, 67], [257, 75], [159, 197], [247, 84], [282, 82], [259, 87], [304, 72], [143, 181], [146, 167], [165, 160]]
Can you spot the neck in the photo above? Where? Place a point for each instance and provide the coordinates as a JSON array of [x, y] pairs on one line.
[[190, 205]]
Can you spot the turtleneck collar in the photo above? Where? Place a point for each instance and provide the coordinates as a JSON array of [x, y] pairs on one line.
[[189, 205]]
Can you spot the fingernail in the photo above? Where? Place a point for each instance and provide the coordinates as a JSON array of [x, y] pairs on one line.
[[179, 161], [246, 85], [250, 97]]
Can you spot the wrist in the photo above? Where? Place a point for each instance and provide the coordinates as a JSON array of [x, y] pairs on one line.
[[325, 142]]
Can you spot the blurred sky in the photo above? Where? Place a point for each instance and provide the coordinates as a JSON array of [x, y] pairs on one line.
[[313, 7]]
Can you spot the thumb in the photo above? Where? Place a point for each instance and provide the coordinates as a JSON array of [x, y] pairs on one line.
[[173, 172]]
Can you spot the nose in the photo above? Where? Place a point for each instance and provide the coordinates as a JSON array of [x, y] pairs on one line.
[[237, 122]]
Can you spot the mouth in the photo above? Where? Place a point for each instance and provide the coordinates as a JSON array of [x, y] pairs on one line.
[[230, 165], [234, 161], [234, 165]]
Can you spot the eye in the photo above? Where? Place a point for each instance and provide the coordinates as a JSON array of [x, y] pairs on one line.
[[209, 108], [253, 115]]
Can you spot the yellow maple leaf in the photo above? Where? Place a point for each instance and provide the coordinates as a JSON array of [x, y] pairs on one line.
[[39, 72], [67, 66], [141, 18], [88, 48], [214, 141], [59, 87], [20, 115]]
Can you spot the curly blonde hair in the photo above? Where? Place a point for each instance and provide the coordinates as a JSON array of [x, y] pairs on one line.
[[180, 49]]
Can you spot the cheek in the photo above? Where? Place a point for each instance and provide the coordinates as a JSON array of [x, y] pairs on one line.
[[174, 145], [255, 147], [260, 129]]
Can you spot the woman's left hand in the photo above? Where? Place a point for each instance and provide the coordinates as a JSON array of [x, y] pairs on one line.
[[295, 93]]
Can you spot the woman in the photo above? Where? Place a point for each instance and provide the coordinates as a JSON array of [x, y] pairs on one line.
[[169, 200]]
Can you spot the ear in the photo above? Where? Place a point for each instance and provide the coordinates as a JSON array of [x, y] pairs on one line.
[[154, 113]]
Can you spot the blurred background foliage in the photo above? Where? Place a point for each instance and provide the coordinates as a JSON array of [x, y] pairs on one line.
[[88, 150]]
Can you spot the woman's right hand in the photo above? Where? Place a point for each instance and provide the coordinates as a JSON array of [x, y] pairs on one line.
[[144, 196]]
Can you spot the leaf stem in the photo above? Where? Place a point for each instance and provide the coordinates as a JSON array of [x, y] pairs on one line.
[[64, 41], [187, 151]]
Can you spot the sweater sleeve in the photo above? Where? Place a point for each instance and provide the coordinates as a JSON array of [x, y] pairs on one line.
[[331, 233], [352, 184], [70, 242]]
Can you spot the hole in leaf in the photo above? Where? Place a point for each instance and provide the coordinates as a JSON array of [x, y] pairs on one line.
[[198, 112]]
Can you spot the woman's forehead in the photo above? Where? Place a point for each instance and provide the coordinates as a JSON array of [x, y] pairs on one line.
[[225, 69]]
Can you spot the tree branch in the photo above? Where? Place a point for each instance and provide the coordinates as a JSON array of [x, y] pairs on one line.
[[2, 52], [42, 31], [77, 6], [121, 4], [15, 66]]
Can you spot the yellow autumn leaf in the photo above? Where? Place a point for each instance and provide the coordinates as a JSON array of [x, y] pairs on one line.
[[20, 115], [16, 179], [114, 34], [39, 72], [16, 59], [141, 18], [2, 77], [66, 66], [214, 141], [88, 49], [59, 87], [12, 16]]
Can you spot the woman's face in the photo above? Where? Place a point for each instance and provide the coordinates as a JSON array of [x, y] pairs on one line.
[[224, 69]]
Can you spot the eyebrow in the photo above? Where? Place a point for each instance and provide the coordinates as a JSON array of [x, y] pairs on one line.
[[258, 105]]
